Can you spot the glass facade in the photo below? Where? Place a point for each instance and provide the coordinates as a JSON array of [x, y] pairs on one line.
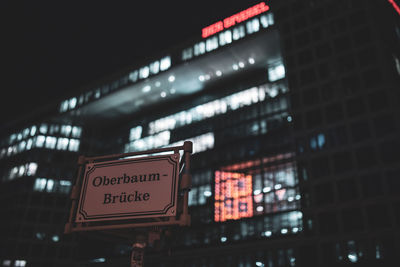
[[294, 121]]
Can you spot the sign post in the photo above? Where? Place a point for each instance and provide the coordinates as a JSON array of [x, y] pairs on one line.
[[122, 193]]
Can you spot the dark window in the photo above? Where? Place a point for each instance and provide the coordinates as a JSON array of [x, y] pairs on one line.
[[302, 39], [323, 50], [377, 100], [352, 220], [372, 78], [384, 124], [390, 151], [393, 181], [310, 96], [378, 216], [334, 112], [338, 136], [342, 161], [360, 131], [366, 156], [324, 70], [307, 76], [314, 118], [347, 189], [324, 194], [320, 167], [371, 185], [355, 106], [367, 57], [327, 222], [342, 44], [362, 36]]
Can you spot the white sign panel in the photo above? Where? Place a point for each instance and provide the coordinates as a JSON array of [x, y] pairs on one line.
[[129, 189]]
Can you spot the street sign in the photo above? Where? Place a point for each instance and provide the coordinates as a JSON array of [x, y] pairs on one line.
[[133, 188]]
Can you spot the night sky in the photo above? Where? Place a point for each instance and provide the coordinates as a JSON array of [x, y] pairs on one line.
[[52, 48]]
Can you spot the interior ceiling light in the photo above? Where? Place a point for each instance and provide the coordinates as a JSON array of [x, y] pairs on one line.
[[241, 64], [218, 73], [251, 60], [146, 89], [201, 78], [171, 78], [235, 67], [163, 94]]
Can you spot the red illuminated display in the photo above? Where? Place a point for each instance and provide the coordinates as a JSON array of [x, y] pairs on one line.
[[232, 20], [396, 6], [233, 196]]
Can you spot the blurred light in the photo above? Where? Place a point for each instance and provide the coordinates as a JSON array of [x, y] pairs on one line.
[[171, 78], [290, 199], [207, 193], [266, 189], [157, 84], [55, 238], [260, 208], [218, 73], [163, 94], [295, 229], [259, 263], [146, 89], [297, 197], [172, 91], [251, 60], [289, 118], [241, 64], [235, 67], [256, 192], [207, 77], [267, 233], [201, 78], [223, 239], [278, 186], [352, 257], [284, 231]]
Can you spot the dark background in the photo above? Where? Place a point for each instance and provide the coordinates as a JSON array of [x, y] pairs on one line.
[[50, 49]]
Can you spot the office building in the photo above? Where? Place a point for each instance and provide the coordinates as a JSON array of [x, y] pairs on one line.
[[293, 110]]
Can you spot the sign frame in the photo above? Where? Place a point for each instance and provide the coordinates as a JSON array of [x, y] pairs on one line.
[[180, 215]]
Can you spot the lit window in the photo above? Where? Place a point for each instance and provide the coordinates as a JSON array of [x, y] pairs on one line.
[[76, 131], [40, 184], [199, 48], [133, 76], [233, 196], [144, 72], [62, 143], [238, 32], [20, 263], [43, 128], [7, 263], [135, 133], [64, 106], [40, 139], [165, 63], [72, 103], [73, 145], [225, 37], [155, 67], [51, 142], [187, 53], [50, 185], [31, 169], [211, 44], [66, 130], [276, 72], [253, 26], [264, 21]]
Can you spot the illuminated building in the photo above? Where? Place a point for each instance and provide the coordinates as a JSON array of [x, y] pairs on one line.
[[293, 111]]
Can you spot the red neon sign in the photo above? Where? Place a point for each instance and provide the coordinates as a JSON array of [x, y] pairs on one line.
[[396, 7], [232, 20]]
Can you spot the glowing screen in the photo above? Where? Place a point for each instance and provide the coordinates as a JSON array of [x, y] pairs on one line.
[[233, 196]]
